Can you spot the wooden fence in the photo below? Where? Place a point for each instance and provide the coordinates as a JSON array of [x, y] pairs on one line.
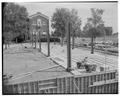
[[90, 83]]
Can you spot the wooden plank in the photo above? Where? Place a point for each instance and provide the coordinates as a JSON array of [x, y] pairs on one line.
[[62, 88], [89, 83], [115, 86], [77, 90], [52, 87], [74, 85], [63, 79], [35, 87], [54, 90], [99, 89], [84, 85], [32, 87], [59, 80], [103, 82], [70, 85], [79, 84], [66, 88], [24, 88], [13, 89], [48, 90], [82, 82], [93, 89], [96, 89], [109, 88], [96, 73], [16, 88], [105, 88], [58, 85], [27, 88], [19, 89], [66, 84]]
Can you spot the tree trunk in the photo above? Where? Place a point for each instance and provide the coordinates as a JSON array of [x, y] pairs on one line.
[[35, 40], [39, 40], [73, 40], [8, 44], [25, 37], [32, 40], [16, 40], [5, 45], [92, 49], [62, 41]]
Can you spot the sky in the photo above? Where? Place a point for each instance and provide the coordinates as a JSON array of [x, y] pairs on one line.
[[110, 15]]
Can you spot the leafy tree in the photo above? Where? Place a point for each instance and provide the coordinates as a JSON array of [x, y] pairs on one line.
[[59, 19], [76, 23], [94, 26], [108, 31], [15, 21]]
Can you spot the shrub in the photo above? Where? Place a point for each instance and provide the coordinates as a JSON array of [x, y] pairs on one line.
[[52, 39]]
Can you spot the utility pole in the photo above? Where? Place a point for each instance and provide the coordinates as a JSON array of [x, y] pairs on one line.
[[68, 27], [48, 39]]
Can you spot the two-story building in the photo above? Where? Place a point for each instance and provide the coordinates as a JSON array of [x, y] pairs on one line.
[[38, 22]]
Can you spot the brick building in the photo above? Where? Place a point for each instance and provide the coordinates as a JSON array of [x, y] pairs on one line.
[[36, 20]]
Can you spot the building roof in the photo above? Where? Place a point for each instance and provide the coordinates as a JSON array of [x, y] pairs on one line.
[[39, 14]]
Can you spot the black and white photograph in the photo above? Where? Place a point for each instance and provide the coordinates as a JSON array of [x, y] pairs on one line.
[[64, 47]]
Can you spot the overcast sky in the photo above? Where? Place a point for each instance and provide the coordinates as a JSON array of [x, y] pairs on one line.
[[110, 16]]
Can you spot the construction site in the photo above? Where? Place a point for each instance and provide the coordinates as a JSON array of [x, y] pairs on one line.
[[49, 67]]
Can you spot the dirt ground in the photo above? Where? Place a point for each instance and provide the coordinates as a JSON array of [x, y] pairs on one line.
[[28, 64]]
